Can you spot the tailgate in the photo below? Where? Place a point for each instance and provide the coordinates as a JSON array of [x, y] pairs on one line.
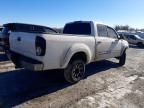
[[23, 43]]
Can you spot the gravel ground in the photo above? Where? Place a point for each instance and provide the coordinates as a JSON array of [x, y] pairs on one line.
[[106, 85]]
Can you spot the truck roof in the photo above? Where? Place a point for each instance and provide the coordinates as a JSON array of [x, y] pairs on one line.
[[94, 22]]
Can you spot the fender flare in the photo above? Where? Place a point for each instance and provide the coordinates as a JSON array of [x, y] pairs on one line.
[[124, 49], [76, 48]]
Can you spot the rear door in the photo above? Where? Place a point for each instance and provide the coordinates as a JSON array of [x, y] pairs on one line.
[[116, 46]]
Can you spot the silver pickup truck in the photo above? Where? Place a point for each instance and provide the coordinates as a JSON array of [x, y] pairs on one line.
[[82, 42]]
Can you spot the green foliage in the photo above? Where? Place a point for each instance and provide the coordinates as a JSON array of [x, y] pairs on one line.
[[118, 27]]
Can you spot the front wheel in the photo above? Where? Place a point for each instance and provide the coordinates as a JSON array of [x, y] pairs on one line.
[[75, 71], [122, 59]]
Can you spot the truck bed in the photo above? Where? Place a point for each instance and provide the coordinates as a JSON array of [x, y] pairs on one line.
[[57, 46]]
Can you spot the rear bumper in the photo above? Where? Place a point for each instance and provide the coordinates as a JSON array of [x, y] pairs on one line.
[[21, 61], [31, 66]]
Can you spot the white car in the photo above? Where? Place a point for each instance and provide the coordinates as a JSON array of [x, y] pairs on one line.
[[81, 43]]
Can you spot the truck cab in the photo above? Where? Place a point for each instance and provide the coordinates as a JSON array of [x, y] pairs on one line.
[[108, 42]]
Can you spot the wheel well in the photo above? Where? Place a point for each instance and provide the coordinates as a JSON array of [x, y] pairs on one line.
[[79, 55]]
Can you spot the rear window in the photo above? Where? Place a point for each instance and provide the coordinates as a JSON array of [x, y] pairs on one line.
[[78, 28], [102, 30]]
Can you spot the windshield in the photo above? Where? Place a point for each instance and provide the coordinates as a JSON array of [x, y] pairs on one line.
[[138, 37]]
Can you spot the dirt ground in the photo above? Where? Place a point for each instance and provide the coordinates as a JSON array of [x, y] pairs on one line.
[[106, 85]]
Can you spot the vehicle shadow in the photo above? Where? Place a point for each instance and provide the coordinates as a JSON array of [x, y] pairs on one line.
[[20, 86]]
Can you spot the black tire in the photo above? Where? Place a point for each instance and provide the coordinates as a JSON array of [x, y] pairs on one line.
[[122, 59], [75, 71]]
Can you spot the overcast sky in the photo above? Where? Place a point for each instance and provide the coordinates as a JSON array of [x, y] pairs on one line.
[[56, 13]]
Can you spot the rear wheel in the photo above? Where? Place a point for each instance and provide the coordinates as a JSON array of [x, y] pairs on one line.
[[75, 71], [122, 59]]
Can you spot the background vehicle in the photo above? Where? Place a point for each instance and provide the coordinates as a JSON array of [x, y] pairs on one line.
[[1, 49], [133, 39], [20, 27], [82, 42], [1, 28]]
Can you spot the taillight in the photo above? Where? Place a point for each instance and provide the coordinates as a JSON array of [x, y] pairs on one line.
[[40, 45]]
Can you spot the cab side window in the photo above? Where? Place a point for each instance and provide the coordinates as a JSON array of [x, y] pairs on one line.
[[111, 33], [132, 37], [102, 30]]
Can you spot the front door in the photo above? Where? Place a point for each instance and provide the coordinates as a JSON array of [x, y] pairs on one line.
[[107, 43], [116, 44]]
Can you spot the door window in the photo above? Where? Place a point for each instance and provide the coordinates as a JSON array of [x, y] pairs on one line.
[[111, 33], [102, 30]]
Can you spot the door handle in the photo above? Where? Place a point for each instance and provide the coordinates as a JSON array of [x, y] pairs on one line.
[[99, 42]]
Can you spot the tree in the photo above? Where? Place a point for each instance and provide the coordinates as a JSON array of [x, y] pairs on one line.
[[126, 27], [118, 27]]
